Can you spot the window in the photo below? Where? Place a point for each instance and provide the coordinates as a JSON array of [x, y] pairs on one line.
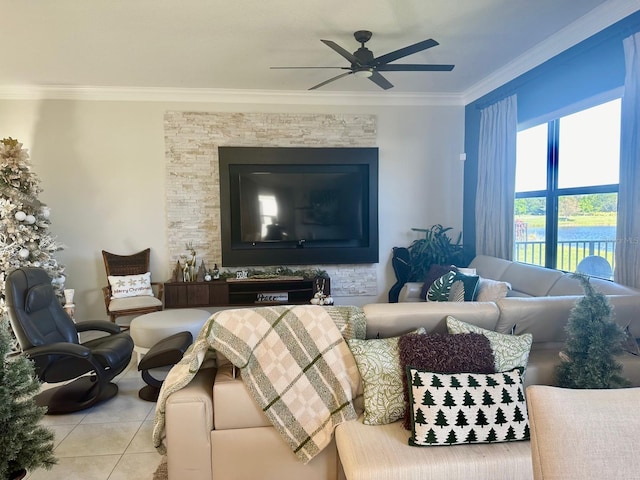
[[567, 174]]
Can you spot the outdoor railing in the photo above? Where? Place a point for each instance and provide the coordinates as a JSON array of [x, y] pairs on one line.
[[570, 253]]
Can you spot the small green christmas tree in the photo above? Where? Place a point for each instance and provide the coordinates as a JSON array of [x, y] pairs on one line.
[[24, 444], [593, 341]]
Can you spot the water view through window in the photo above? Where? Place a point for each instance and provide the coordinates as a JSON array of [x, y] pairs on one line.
[[566, 191]]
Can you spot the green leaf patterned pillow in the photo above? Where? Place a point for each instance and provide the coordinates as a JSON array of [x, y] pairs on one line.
[[509, 351], [453, 287], [378, 361], [441, 287], [451, 409]]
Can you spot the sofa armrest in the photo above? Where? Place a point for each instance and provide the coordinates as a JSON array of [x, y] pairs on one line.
[[410, 292], [188, 425]]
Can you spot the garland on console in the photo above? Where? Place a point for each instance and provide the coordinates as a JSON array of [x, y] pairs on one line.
[[276, 272]]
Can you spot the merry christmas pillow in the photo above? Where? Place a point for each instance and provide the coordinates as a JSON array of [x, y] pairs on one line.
[[130, 285]]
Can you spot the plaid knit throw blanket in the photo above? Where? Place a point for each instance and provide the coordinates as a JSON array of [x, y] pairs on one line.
[[295, 362]]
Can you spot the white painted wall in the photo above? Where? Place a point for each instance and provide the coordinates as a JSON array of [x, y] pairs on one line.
[[101, 164]]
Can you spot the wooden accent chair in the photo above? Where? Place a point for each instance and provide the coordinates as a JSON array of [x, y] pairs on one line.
[[131, 305]]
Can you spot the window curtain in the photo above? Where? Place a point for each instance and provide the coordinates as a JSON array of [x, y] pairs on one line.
[[628, 229], [495, 192]]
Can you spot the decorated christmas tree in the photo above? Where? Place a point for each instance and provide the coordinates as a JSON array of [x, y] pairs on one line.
[[25, 240], [593, 341]]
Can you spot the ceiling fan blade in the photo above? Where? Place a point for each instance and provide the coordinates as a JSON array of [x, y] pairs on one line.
[[331, 80], [403, 52], [380, 81], [415, 68], [348, 55], [289, 68]]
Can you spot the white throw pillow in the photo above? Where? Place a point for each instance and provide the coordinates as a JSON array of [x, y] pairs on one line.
[[491, 290], [130, 285]]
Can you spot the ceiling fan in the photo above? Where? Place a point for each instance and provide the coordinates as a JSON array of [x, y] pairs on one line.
[[364, 64]]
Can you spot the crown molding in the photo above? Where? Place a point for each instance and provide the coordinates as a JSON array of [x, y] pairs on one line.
[[591, 23], [205, 95]]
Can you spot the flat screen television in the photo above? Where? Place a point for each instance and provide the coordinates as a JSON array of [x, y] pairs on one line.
[[298, 206]]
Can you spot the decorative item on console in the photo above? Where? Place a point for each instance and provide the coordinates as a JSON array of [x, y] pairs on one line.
[[202, 271], [189, 269], [69, 306], [213, 274], [319, 298]]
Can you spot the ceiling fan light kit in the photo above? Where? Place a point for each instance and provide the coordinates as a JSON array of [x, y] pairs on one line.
[[365, 65], [364, 73]]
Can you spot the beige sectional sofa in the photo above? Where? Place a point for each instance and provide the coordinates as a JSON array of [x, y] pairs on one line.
[[215, 431]]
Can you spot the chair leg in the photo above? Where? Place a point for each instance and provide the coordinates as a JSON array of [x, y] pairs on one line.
[[74, 396], [114, 317]]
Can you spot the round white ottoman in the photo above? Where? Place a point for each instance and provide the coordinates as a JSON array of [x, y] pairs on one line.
[[147, 330]]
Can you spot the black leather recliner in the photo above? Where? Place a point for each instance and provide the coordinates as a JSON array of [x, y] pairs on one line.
[[49, 337]]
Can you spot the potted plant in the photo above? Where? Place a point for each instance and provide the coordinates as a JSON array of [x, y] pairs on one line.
[[588, 359], [436, 248], [24, 443]]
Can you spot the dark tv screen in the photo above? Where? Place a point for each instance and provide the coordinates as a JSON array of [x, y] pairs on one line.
[[298, 205]]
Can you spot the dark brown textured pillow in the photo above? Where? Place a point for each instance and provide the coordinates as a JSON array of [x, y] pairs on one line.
[[444, 353], [435, 272]]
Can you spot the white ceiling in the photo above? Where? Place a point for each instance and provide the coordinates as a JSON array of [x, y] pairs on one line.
[[214, 44]]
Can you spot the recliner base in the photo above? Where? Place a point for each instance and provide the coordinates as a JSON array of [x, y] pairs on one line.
[[74, 396]]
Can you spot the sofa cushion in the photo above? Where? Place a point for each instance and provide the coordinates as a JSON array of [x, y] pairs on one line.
[[530, 279], [233, 406], [509, 351], [568, 285], [393, 319], [468, 352], [583, 434], [128, 303], [542, 365], [382, 453], [544, 318], [378, 361], [490, 267], [452, 409]]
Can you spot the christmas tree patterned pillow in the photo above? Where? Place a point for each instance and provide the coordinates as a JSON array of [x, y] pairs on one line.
[[452, 409]]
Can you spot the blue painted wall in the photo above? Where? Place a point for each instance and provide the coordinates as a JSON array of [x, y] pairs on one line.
[[592, 67]]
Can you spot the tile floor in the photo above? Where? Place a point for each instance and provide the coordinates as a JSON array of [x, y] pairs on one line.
[[110, 441]]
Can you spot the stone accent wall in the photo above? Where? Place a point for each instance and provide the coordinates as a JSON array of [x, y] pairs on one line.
[[193, 183]]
